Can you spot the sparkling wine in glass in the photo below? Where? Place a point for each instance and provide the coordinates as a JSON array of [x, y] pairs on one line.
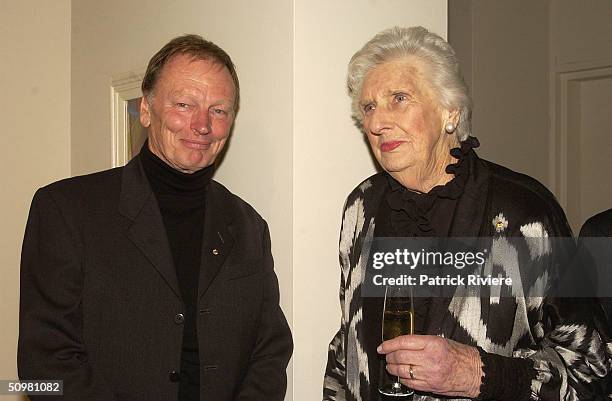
[[398, 320]]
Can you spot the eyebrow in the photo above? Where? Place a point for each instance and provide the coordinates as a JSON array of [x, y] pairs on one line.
[[224, 102], [195, 96], [400, 90], [389, 92]]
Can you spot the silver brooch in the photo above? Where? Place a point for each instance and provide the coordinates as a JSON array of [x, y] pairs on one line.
[[500, 223]]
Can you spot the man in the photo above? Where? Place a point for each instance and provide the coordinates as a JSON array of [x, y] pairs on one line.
[[151, 281], [594, 253]]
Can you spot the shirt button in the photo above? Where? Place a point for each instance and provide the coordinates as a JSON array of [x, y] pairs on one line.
[[179, 318], [174, 376]]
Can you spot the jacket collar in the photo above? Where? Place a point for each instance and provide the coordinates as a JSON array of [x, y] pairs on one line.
[[148, 233]]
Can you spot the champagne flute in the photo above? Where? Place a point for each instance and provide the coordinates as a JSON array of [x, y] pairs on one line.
[[398, 319]]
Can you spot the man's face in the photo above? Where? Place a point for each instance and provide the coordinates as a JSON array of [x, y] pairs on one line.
[[190, 114]]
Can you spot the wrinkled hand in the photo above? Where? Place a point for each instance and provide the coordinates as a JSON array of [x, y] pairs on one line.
[[439, 365]]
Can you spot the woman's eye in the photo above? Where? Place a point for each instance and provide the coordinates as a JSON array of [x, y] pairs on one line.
[[400, 97], [369, 107], [181, 105]]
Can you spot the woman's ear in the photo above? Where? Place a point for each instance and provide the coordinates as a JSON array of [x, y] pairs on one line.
[[452, 117], [450, 121]]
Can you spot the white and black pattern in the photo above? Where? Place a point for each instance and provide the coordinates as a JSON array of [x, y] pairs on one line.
[[567, 357]]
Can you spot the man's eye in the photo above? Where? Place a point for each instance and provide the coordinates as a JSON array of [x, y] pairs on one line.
[[219, 112], [181, 105]]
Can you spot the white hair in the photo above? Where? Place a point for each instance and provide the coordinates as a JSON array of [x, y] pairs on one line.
[[441, 70]]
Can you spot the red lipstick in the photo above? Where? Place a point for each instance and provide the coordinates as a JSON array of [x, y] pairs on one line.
[[389, 146]]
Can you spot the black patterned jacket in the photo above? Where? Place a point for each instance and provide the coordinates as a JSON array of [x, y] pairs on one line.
[[569, 357]]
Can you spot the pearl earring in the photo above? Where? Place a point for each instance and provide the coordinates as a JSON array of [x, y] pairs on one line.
[[449, 127]]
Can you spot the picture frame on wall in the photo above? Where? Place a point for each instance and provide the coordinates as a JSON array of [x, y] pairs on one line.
[[128, 135]]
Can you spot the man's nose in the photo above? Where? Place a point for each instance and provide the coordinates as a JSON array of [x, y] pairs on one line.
[[200, 122]]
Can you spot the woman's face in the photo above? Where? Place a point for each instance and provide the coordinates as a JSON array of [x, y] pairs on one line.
[[401, 118]]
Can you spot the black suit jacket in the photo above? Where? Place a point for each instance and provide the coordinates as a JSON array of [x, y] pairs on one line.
[[596, 255], [100, 296], [595, 258]]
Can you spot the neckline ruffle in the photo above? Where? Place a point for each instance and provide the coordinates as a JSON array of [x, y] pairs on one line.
[[410, 210]]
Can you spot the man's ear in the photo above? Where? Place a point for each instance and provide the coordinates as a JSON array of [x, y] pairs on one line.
[[145, 112]]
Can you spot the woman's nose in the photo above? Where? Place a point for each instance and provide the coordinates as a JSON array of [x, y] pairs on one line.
[[381, 121]]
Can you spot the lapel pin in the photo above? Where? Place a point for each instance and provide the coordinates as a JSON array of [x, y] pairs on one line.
[[215, 251]]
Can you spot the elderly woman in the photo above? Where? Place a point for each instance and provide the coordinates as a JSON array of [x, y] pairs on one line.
[[413, 105]]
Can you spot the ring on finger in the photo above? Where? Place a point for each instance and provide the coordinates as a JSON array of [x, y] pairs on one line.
[[411, 372]]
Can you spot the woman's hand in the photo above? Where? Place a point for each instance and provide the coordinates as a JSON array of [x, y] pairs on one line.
[[438, 365]]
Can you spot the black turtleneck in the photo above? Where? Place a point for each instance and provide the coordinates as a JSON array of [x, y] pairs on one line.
[[182, 199]]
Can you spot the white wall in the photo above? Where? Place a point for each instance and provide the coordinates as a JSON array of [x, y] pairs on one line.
[[503, 49], [330, 158], [525, 62], [35, 109], [580, 65], [580, 36]]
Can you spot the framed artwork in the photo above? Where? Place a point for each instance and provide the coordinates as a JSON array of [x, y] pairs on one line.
[[128, 135]]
